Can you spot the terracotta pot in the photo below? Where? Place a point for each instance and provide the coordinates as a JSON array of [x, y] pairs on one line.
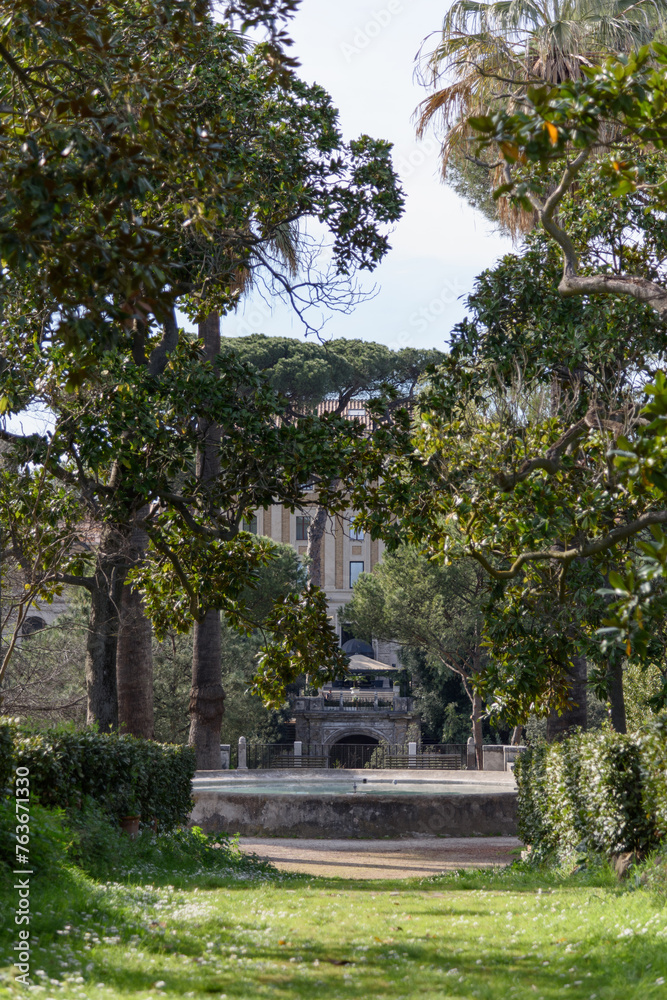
[[130, 825]]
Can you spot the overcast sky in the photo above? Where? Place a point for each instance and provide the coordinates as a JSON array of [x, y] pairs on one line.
[[363, 53]]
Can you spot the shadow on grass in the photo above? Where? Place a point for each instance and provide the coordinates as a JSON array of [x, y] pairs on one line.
[[438, 961], [628, 971]]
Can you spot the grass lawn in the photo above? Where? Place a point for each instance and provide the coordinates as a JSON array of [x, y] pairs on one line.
[[261, 934]]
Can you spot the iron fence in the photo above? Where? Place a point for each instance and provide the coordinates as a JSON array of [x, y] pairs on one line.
[[282, 755], [448, 756], [441, 756]]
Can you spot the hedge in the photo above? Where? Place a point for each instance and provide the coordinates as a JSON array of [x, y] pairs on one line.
[[653, 743], [124, 774], [6, 755], [594, 792]]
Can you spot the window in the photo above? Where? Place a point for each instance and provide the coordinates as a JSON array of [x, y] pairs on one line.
[[356, 569], [356, 534], [250, 524], [302, 523]]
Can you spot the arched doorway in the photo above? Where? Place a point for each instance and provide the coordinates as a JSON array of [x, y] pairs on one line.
[[355, 750]]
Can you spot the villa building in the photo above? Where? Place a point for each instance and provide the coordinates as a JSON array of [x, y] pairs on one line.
[[346, 553]]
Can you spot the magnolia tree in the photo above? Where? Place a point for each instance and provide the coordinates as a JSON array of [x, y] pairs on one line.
[[177, 167], [613, 125], [539, 451]]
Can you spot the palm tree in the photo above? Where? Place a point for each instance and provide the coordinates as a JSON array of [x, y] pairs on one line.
[[489, 53]]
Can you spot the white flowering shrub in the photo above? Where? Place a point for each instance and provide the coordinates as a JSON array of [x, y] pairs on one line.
[[598, 792]]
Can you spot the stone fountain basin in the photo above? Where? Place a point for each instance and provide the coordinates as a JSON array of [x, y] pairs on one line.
[[351, 803]]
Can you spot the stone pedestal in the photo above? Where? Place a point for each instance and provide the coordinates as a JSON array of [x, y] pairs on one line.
[[242, 764], [494, 758], [471, 755]]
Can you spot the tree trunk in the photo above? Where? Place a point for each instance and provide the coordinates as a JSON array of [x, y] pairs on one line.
[[107, 592], [101, 688], [316, 530], [616, 696], [134, 654], [2, 653], [207, 698], [558, 726], [134, 667], [477, 706]]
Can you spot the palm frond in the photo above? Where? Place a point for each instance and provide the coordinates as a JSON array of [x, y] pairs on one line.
[[488, 53]]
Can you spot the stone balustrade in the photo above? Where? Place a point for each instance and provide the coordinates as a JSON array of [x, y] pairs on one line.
[[337, 701]]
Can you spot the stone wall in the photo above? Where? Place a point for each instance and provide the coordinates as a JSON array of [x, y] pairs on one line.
[[349, 816]]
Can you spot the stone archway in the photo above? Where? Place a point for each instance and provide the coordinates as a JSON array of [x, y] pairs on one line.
[[349, 728], [354, 750]]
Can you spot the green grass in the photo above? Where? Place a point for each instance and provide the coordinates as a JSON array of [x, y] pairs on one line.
[[232, 929]]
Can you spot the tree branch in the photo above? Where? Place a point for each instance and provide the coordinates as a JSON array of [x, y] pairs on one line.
[[76, 581], [550, 462], [181, 574], [573, 283], [566, 556]]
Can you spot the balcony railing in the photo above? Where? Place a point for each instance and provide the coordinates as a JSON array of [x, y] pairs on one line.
[[350, 701]]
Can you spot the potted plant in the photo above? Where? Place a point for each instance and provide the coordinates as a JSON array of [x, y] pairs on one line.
[[129, 811], [130, 825]]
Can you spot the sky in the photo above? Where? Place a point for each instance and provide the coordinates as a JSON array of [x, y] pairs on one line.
[[363, 52]]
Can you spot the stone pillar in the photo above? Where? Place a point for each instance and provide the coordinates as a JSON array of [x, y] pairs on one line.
[[412, 754], [225, 753], [472, 758], [494, 757], [297, 753], [242, 764]]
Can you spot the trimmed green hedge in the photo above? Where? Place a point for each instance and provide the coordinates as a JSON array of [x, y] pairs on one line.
[[125, 775], [653, 744], [594, 792]]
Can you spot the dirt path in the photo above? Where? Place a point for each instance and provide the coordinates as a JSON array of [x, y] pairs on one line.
[[383, 858]]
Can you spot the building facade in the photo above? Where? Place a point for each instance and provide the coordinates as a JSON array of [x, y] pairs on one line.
[[346, 553], [354, 717]]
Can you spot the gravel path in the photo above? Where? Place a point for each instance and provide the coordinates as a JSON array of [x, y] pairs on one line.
[[412, 858]]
